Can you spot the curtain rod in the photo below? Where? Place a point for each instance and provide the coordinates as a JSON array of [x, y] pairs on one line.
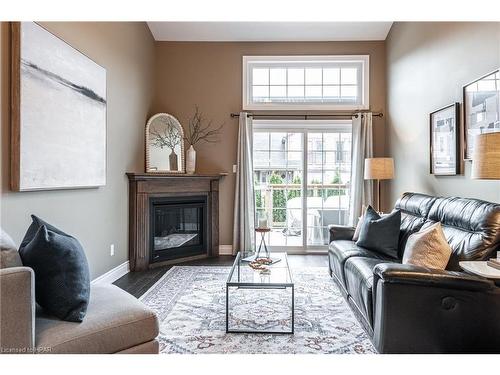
[[306, 116]]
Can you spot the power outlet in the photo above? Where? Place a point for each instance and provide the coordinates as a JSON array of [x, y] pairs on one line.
[[234, 168], [112, 249]]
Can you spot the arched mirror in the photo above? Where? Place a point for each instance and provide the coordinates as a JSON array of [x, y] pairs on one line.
[[164, 144]]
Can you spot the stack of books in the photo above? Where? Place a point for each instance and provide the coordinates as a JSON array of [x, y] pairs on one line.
[[494, 262]]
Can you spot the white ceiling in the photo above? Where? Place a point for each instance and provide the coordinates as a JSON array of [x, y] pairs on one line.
[[268, 31]]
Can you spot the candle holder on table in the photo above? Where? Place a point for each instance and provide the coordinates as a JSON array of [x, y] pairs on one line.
[[256, 256]]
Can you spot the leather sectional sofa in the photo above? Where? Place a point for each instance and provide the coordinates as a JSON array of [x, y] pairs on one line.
[[410, 309]]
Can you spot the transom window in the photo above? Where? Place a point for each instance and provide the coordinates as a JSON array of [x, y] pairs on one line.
[[305, 82]]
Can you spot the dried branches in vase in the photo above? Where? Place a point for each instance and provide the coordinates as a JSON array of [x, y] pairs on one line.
[[199, 130]]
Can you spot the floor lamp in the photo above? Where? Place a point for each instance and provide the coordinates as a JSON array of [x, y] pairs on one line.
[[486, 157], [379, 169]]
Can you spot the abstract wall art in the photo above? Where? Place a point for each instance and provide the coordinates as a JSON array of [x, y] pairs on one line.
[[58, 113]]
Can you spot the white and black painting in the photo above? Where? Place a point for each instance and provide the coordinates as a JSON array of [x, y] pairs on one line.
[[62, 114], [445, 141], [481, 109]]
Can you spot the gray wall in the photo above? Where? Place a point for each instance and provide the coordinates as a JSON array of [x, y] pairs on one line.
[[427, 65], [97, 217]]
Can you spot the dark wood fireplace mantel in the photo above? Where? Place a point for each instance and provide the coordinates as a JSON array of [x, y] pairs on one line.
[[144, 186]]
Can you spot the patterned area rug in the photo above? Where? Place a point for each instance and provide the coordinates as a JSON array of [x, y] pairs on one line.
[[190, 303]]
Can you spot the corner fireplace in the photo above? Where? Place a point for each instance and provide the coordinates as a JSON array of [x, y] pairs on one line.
[[179, 211], [178, 227]]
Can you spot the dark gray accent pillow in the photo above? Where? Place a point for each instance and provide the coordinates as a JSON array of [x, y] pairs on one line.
[[62, 280], [33, 228], [380, 234]]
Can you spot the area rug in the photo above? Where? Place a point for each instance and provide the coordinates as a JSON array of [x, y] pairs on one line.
[[190, 304]]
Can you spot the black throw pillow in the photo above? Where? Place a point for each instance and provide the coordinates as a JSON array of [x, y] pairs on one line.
[[33, 228], [62, 280], [380, 234]]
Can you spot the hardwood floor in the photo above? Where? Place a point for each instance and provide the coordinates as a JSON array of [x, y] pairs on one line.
[[137, 283]]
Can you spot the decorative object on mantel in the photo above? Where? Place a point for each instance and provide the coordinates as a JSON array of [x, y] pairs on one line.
[[198, 131], [481, 109], [190, 160], [445, 141], [58, 136], [164, 146], [486, 157], [379, 169]]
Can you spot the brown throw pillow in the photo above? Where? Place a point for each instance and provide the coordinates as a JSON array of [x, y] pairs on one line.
[[428, 248]]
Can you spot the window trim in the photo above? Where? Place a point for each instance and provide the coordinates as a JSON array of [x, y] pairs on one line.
[[365, 82]]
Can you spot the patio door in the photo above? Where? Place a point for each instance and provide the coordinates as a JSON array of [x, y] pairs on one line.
[[302, 172]]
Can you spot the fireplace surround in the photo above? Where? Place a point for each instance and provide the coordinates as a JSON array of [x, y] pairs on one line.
[[172, 218]]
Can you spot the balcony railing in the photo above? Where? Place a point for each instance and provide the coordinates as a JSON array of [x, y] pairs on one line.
[[317, 190]]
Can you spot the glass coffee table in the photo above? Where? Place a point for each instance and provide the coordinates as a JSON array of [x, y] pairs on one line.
[[260, 302]]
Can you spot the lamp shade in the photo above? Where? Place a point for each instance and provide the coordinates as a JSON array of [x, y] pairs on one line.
[[379, 168], [486, 157]]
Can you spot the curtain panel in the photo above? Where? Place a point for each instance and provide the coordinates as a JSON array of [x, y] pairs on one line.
[[244, 198], [362, 148]]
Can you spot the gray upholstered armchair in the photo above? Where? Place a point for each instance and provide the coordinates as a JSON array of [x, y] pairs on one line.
[[17, 310], [116, 322]]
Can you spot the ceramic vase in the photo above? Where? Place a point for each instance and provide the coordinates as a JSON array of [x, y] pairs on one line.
[[173, 161], [190, 160]]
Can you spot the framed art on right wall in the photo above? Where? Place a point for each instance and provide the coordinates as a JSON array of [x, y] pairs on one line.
[[445, 140], [481, 109]]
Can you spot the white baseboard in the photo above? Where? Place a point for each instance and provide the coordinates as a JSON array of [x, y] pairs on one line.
[[113, 274], [225, 249]]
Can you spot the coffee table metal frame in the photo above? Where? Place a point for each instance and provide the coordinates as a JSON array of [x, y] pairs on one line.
[[258, 286]]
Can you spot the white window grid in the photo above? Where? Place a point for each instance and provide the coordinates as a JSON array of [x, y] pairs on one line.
[[322, 100]]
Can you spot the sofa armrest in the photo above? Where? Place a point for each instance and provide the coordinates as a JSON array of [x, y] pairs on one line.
[[17, 310], [341, 232], [416, 275], [420, 310]]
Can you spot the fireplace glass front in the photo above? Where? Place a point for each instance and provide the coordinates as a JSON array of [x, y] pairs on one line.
[[178, 228]]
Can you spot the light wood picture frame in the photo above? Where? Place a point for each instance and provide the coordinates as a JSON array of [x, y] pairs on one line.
[[58, 113]]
